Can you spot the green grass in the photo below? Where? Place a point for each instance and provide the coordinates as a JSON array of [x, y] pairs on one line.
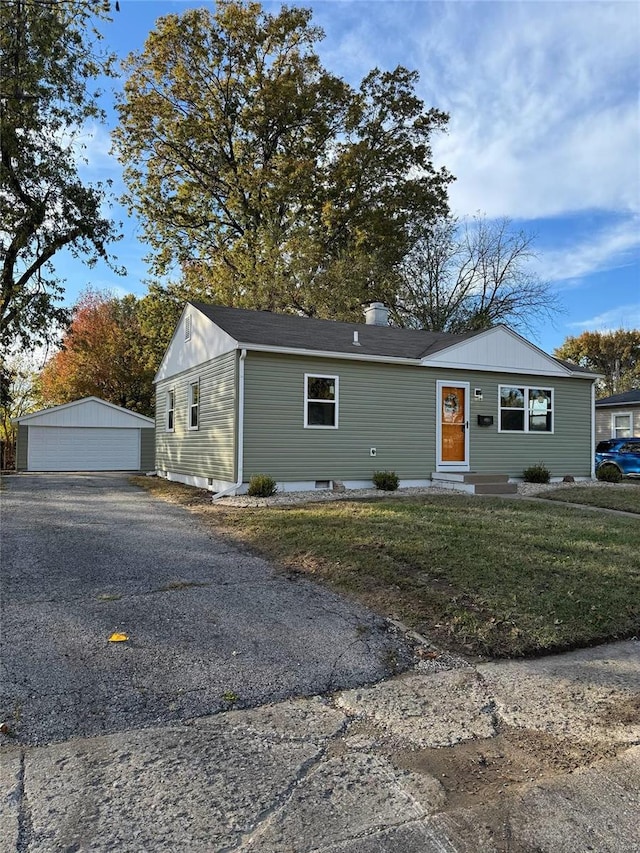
[[490, 577], [625, 496]]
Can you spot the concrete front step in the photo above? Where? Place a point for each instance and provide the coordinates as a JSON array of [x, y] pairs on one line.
[[475, 484], [495, 489], [470, 477]]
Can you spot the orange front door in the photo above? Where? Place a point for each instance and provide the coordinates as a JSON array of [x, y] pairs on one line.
[[452, 419]]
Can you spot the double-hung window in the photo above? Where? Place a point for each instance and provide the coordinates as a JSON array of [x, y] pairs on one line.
[[621, 425], [320, 401], [171, 405], [525, 409], [194, 405]]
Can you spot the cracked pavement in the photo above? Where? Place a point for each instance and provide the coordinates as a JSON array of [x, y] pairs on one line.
[[133, 747], [87, 555]]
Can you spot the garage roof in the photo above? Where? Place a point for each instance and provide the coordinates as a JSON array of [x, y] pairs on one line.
[[89, 412]]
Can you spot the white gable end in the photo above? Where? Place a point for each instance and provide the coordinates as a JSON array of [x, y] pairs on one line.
[[195, 341], [498, 349], [90, 412]]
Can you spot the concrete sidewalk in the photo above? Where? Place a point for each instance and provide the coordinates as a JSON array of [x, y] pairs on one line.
[[515, 756]]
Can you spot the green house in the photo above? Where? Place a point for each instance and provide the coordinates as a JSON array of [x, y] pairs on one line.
[[324, 404]]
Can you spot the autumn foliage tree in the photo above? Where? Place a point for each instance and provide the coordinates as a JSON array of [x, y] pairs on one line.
[[616, 355], [103, 355], [263, 179]]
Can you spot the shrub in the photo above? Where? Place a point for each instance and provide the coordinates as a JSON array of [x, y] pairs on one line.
[[537, 473], [262, 486], [386, 480], [609, 473]]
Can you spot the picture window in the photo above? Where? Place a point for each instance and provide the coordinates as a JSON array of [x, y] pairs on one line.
[[525, 409]]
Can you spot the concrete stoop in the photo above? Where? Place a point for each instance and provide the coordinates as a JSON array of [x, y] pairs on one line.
[[475, 484]]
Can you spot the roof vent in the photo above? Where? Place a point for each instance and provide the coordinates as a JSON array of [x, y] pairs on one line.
[[376, 314], [356, 342]]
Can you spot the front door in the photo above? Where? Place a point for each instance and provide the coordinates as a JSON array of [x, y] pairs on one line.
[[453, 426]]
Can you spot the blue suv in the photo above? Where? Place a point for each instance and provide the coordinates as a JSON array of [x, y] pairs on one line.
[[620, 453]]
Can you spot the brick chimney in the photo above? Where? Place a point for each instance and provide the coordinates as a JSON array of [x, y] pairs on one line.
[[376, 314]]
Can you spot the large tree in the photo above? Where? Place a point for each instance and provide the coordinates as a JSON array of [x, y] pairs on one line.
[[467, 275], [265, 180], [18, 396], [49, 58], [616, 355], [103, 354]]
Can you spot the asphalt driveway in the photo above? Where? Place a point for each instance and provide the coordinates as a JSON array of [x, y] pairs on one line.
[[211, 627]]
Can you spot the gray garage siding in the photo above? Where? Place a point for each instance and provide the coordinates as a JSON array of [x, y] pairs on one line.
[[208, 451], [393, 408], [22, 447], [147, 449]]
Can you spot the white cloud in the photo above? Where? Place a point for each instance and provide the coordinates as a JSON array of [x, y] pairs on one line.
[[620, 317], [609, 248], [543, 100], [93, 144]]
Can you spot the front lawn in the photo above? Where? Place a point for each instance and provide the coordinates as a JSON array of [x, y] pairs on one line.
[[624, 496], [480, 576]]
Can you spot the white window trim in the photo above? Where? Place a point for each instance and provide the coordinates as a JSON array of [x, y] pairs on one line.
[[193, 385], [170, 392], [615, 415], [336, 380], [527, 389]]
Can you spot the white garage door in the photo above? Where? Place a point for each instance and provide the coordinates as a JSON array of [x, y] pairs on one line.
[[83, 449]]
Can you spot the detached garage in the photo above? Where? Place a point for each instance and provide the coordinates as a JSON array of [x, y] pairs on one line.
[[86, 435]]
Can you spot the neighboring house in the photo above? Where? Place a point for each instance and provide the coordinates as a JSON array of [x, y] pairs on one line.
[[86, 435], [618, 416], [314, 403]]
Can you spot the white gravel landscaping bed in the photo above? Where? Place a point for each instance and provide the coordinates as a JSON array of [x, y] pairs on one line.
[[292, 498]]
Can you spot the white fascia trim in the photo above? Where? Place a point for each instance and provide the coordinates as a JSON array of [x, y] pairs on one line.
[[59, 408], [314, 353], [482, 368]]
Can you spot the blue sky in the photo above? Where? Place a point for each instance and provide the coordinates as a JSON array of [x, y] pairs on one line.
[[544, 129]]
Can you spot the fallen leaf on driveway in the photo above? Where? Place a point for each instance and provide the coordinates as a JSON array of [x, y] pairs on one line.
[[118, 638]]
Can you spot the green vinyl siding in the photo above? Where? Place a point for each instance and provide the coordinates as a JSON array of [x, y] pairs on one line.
[[567, 450], [392, 407], [208, 451], [372, 412]]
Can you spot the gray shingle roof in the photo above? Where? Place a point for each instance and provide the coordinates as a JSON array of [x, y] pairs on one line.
[[264, 328], [287, 330], [620, 399], [576, 368]]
